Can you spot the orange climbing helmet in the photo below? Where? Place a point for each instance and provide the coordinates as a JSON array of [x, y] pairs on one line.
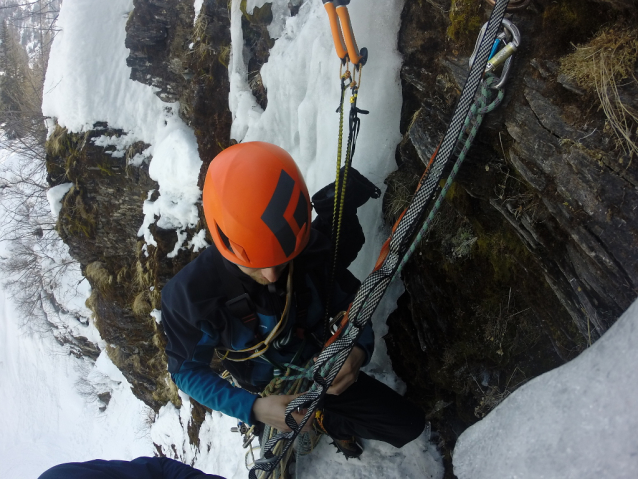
[[256, 204]]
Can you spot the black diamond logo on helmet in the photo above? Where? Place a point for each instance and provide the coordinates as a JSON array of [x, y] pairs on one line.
[[274, 214]]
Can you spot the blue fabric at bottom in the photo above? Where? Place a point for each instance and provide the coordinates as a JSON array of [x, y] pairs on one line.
[[140, 468]]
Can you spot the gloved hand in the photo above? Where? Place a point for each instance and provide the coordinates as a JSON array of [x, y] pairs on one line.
[[358, 191]]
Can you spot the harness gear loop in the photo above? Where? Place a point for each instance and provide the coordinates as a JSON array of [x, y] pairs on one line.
[[368, 297]]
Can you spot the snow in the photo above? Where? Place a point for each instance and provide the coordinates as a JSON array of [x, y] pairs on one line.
[[44, 420], [417, 459], [578, 421], [199, 241], [55, 196], [121, 143], [156, 314], [198, 8]]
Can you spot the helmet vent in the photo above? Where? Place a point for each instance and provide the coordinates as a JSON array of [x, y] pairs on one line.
[[223, 237]]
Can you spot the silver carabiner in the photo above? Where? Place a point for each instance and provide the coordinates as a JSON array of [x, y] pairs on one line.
[[512, 37]]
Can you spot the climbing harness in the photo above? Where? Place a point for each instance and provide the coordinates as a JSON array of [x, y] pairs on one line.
[[261, 347], [399, 245], [305, 442]]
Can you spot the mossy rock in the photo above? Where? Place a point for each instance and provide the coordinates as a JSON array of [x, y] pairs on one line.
[[465, 22], [76, 217], [260, 16], [571, 21]]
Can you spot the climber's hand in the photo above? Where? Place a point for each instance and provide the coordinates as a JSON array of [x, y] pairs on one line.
[[271, 410], [349, 371]]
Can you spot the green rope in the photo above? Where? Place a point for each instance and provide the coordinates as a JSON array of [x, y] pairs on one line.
[[288, 384], [475, 117]]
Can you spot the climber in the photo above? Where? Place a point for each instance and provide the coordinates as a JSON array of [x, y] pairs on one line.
[[256, 299], [140, 468]]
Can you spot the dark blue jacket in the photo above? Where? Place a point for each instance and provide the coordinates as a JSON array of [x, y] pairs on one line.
[[196, 321], [140, 468]]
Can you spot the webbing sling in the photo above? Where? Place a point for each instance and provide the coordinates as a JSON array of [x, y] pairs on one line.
[[239, 303], [371, 291]]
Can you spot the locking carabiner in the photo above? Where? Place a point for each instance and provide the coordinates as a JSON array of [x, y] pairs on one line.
[[512, 39]]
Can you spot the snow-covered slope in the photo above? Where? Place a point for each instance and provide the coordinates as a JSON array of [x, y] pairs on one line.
[[44, 420], [576, 422]]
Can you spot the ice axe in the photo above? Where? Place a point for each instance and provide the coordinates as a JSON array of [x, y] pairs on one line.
[[342, 36]]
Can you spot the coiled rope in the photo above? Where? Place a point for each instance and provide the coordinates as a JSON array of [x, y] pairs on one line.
[[306, 441]]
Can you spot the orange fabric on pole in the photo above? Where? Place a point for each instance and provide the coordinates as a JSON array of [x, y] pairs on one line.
[[337, 37], [346, 27]]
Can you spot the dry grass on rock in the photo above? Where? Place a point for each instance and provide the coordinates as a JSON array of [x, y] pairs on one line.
[[604, 65]]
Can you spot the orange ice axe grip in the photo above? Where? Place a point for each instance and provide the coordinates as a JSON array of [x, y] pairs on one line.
[[337, 37], [346, 27]]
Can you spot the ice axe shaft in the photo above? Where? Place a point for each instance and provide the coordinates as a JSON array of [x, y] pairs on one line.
[[342, 36]]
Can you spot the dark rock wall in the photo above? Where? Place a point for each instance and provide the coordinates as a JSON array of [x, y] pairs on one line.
[[533, 255], [158, 34]]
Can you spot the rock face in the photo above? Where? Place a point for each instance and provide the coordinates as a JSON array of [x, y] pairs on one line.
[[589, 197], [158, 34], [98, 222], [533, 256]]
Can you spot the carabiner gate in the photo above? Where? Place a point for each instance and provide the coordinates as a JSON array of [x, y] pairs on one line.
[[512, 37]]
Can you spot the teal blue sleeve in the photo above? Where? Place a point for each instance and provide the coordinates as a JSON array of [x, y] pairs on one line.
[[207, 388]]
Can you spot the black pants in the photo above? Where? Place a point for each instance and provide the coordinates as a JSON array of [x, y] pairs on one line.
[[371, 410]]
